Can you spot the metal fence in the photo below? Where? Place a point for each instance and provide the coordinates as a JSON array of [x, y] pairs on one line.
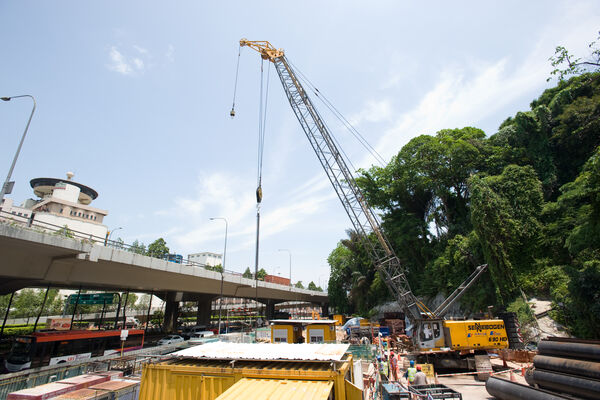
[[10, 385], [131, 364]]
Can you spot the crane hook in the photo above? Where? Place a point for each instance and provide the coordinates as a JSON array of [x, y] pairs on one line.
[[232, 112]]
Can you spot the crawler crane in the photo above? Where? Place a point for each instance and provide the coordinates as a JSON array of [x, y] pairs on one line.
[[431, 333]]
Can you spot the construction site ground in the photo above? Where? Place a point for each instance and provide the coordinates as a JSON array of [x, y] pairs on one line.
[[471, 388]]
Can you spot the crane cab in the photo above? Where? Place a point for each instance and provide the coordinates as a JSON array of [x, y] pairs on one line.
[[430, 334]]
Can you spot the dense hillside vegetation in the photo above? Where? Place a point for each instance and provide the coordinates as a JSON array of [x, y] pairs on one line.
[[525, 200]]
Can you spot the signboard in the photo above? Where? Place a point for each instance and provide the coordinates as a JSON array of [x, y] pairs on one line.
[[59, 324], [92, 298], [428, 370], [9, 187], [124, 334]]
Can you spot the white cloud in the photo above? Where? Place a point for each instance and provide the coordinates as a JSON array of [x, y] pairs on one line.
[[374, 111], [139, 64], [464, 96], [127, 65], [140, 50], [220, 195], [468, 94], [118, 63], [170, 54]]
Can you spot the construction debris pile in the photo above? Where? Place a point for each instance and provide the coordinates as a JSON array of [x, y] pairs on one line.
[[563, 368]]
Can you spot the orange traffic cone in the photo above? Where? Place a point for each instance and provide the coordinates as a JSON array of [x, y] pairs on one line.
[[523, 371], [512, 376], [437, 382]]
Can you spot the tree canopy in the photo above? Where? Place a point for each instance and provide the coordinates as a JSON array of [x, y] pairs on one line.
[[525, 200]]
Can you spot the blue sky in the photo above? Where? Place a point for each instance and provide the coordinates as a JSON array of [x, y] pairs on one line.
[[134, 97]]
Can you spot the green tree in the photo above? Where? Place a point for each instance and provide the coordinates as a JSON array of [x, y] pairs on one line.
[[261, 274], [4, 304], [527, 136], [299, 285], [582, 311], [354, 284], [312, 286], [247, 274], [505, 211], [138, 247], [131, 299], [339, 281], [65, 231], [143, 302], [158, 248], [27, 302], [424, 193], [216, 268], [567, 64], [119, 244]]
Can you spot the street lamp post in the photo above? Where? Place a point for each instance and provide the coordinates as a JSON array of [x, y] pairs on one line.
[[222, 270], [290, 254], [320, 276], [6, 184], [110, 234]]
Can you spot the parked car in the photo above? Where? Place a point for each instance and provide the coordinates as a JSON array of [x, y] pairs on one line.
[[192, 331], [170, 340], [201, 334], [204, 337]]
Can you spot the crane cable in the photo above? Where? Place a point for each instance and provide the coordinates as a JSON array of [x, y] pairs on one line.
[[262, 123], [237, 71], [341, 118]]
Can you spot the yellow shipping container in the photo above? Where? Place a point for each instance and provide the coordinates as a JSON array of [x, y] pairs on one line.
[[339, 319], [201, 379], [320, 333], [286, 333]]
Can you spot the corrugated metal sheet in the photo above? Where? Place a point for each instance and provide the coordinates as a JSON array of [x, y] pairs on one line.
[[42, 392], [277, 389], [114, 385], [303, 321], [84, 394], [266, 351], [267, 368], [85, 380]]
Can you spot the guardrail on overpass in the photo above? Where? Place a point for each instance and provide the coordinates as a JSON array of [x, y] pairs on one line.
[[31, 257]]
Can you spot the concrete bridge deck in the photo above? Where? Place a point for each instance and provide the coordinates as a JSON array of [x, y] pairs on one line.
[[30, 257]]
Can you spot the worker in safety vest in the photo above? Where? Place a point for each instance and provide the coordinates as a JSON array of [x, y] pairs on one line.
[[385, 367], [411, 372], [393, 367]]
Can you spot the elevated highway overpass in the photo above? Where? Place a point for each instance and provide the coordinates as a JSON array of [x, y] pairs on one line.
[[30, 258]]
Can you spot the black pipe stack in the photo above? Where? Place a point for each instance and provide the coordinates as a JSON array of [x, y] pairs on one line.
[[570, 366], [563, 367]]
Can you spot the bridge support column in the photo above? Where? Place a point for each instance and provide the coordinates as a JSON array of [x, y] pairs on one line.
[[204, 311], [171, 311], [270, 310]]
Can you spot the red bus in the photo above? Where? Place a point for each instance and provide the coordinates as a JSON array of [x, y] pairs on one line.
[[55, 347]]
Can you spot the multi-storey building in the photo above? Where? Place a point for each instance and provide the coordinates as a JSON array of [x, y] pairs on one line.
[[206, 258], [61, 204]]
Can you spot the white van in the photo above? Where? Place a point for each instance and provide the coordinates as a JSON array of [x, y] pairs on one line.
[[192, 331]]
